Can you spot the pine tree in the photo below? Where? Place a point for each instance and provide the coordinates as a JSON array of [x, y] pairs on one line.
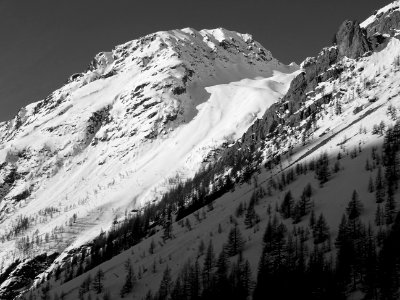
[[188, 224], [287, 205], [235, 241], [167, 234], [165, 285], [379, 187], [371, 187], [201, 248], [390, 207], [239, 210], [221, 276], [129, 279], [98, 281], [367, 165], [344, 253], [240, 279], [303, 206], [321, 230], [379, 216], [251, 216], [194, 280], [355, 207], [154, 266], [177, 293], [370, 279], [106, 295], [151, 247], [322, 168], [312, 219], [272, 261], [209, 262]]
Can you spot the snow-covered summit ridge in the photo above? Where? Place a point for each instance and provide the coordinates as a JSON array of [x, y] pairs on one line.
[[394, 6], [139, 119]]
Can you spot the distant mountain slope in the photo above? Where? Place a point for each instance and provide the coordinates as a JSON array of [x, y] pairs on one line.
[[140, 119]]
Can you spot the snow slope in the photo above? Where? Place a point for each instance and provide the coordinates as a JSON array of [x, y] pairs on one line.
[[365, 90], [333, 133], [138, 120]]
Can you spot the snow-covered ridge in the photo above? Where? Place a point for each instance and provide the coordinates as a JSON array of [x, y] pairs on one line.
[[114, 137], [390, 7]]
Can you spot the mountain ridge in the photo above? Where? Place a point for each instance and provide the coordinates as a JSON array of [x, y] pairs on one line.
[[132, 111], [332, 105]]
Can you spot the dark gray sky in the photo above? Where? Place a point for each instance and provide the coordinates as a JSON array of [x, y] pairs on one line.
[[43, 42]]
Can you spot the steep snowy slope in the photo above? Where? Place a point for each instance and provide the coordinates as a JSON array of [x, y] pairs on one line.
[[333, 106], [348, 132], [114, 137]]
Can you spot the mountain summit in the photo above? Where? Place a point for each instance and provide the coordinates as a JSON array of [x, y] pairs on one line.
[[139, 120]]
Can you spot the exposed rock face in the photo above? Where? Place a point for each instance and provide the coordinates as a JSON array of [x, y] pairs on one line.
[[386, 22], [315, 70], [23, 275], [352, 40]]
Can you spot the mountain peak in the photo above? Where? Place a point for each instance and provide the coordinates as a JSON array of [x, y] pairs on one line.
[[119, 134]]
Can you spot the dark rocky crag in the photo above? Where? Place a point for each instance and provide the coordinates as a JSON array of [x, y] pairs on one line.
[[351, 41]]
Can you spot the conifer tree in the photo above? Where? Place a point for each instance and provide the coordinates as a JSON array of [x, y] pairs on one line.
[[209, 262], [167, 234], [355, 207], [371, 187], [251, 216], [312, 219], [235, 241], [221, 275], [201, 248], [379, 187], [379, 216], [152, 246], [165, 285], [129, 279], [287, 205], [344, 252], [194, 280], [322, 168], [390, 207], [321, 230], [98, 281]]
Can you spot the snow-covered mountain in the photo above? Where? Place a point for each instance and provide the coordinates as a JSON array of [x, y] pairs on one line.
[[152, 113], [141, 118]]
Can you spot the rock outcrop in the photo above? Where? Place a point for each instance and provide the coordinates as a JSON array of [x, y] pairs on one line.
[[352, 40], [385, 22]]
